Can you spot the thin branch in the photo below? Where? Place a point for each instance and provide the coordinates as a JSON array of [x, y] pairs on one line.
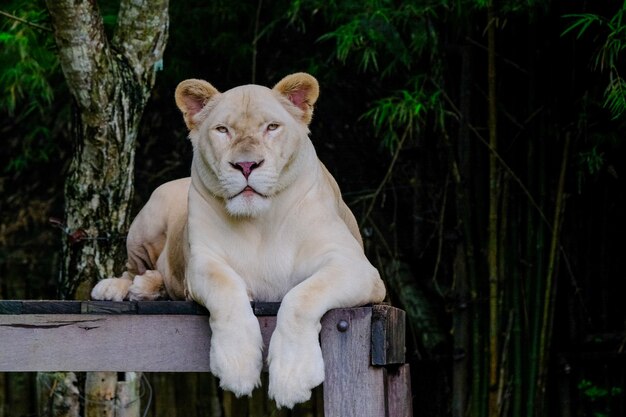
[[444, 200], [388, 174], [384, 242], [255, 40], [26, 22], [508, 61], [506, 167]]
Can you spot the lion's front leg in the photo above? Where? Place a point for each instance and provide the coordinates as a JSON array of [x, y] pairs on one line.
[[295, 359], [236, 342], [295, 356]]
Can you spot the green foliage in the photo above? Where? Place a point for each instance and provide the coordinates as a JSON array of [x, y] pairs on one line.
[[404, 110], [29, 69], [393, 41], [381, 31], [596, 398], [592, 160], [612, 40], [27, 60], [615, 95], [589, 164]]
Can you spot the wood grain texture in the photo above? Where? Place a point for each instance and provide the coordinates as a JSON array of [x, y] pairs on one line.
[[388, 335], [352, 388], [119, 307], [398, 391], [104, 343], [100, 342]]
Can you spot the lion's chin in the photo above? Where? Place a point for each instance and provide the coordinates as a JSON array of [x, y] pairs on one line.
[[247, 204]]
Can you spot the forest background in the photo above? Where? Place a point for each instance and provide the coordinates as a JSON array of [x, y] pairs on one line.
[[479, 143]]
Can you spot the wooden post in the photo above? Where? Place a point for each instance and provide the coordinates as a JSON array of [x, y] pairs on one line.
[[127, 395], [100, 390], [352, 388], [364, 353]]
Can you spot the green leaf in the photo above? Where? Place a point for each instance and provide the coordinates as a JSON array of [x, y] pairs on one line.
[[582, 23], [615, 96]]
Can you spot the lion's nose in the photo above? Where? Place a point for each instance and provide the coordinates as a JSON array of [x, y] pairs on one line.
[[246, 167]]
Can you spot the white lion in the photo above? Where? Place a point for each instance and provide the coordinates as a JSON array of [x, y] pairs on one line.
[[260, 219]]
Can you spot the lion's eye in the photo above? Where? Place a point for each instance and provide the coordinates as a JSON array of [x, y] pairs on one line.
[[272, 126], [222, 129]]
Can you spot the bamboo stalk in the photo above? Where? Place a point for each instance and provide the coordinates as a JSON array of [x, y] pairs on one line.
[[462, 285], [492, 242], [464, 213], [504, 303], [504, 362], [535, 277], [550, 288], [517, 367], [517, 364]]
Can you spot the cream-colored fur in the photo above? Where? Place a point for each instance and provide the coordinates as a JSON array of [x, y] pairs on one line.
[[265, 221]]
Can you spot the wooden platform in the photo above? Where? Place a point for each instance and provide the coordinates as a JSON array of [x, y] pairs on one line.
[[363, 347]]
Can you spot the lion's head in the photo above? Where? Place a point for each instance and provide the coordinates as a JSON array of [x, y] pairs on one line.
[[249, 142]]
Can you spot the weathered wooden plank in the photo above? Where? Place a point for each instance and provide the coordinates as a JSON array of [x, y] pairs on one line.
[[11, 307], [101, 342], [352, 387], [50, 307], [388, 335], [120, 307], [170, 307], [86, 342], [398, 391], [265, 309], [108, 307]]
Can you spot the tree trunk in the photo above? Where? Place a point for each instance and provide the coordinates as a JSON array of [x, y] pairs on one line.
[[110, 82], [57, 394]]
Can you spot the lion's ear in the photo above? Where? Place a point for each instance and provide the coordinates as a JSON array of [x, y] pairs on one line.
[[191, 97], [302, 90]]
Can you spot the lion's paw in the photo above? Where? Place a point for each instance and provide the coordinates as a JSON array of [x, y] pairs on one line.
[[296, 367], [236, 355], [148, 286], [111, 289]]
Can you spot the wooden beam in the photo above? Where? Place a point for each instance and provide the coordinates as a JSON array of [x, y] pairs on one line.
[[363, 347], [118, 307], [90, 342]]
